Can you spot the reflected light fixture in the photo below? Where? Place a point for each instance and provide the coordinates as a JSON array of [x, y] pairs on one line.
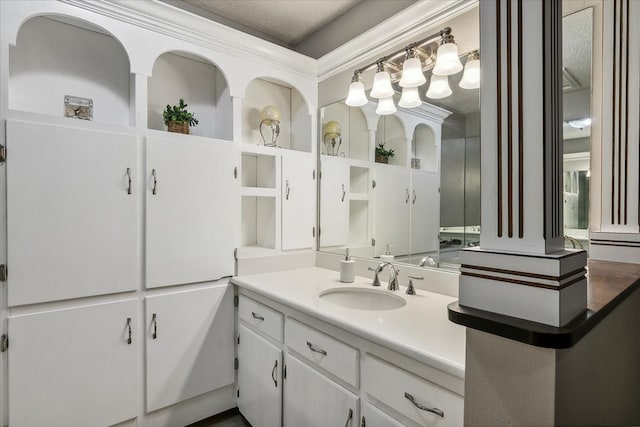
[[410, 98], [416, 59], [471, 75], [439, 87], [386, 106]]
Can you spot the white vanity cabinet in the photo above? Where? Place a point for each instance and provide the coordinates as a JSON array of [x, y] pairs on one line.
[[68, 190], [392, 201], [425, 211], [313, 400], [300, 371], [298, 198], [190, 188], [74, 367], [259, 379], [334, 201], [189, 344]]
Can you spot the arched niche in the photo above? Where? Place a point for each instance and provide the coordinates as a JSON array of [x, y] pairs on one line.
[[57, 56], [295, 120], [202, 85], [390, 131], [355, 135], [424, 148]]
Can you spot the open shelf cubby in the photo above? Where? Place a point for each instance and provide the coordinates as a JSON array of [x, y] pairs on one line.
[[390, 131], [258, 221], [203, 87], [56, 57], [258, 171], [295, 120], [355, 134], [424, 148], [359, 180]]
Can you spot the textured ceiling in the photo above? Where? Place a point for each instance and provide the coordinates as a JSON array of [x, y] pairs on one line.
[[289, 21]]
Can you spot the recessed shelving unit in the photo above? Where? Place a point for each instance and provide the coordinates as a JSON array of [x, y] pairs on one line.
[[69, 60], [359, 181], [258, 171], [258, 226], [295, 120], [355, 134], [424, 148], [390, 130], [202, 86]]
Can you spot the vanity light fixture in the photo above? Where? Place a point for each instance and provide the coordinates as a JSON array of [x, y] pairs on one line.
[[418, 57], [471, 75]]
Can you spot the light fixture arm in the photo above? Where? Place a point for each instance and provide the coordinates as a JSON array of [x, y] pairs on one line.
[[416, 45]]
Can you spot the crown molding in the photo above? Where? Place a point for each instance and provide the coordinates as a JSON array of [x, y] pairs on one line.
[[397, 30], [174, 22]]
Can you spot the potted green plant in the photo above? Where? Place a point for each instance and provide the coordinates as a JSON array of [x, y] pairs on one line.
[[382, 154], [178, 119]]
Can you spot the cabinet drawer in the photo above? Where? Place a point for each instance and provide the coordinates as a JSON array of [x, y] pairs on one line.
[[392, 386], [260, 317], [328, 353]]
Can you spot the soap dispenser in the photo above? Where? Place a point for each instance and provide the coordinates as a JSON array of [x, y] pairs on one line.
[[387, 257], [347, 269]]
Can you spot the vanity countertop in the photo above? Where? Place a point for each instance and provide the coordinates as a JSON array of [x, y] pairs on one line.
[[419, 330]]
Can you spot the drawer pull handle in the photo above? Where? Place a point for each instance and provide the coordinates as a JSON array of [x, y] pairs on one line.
[[423, 408], [312, 348], [129, 180], [273, 374], [349, 417], [256, 316], [154, 320], [129, 340]]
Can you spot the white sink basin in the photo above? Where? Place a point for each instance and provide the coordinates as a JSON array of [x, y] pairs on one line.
[[363, 298]]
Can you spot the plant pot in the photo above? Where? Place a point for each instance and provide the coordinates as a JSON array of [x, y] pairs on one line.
[[382, 159], [178, 127]]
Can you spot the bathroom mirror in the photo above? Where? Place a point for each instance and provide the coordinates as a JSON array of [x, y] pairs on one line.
[[577, 35], [423, 206]]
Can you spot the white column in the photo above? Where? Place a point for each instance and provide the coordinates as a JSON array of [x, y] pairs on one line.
[[618, 235], [521, 268]]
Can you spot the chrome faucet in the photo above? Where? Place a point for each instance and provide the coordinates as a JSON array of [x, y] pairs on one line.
[[427, 260], [393, 275]]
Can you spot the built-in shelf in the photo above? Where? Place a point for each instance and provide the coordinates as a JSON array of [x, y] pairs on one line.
[[258, 170], [258, 226], [359, 196], [203, 87], [56, 57], [359, 179], [257, 192], [295, 119]]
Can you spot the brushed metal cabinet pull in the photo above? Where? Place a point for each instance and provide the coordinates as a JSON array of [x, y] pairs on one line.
[[257, 316], [344, 193], [154, 320], [436, 411], [129, 340], [155, 182], [414, 197], [288, 190], [407, 199], [129, 180], [349, 417], [273, 374], [316, 350]]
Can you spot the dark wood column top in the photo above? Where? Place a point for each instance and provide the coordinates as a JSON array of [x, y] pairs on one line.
[[608, 285]]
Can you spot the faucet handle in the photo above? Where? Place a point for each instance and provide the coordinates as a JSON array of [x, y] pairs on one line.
[[376, 280], [410, 289]]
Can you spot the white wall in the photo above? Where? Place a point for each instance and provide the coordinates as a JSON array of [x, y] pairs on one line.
[[53, 59]]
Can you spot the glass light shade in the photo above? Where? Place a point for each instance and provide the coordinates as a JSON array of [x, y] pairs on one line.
[[412, 75], [356, 96], [447, 61], [439, 87], [410, 98], [471, 76], [270, 113], [332, 128], [386, 106], [381, 85]]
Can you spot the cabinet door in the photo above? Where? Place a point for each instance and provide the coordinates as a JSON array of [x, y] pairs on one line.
[[425, 212], [189, 222], [313, 400], [298, 200], [259, 379], [334, 202], [74, 367], [392, 200], [374, 417], [193, 349], [72, 223]]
